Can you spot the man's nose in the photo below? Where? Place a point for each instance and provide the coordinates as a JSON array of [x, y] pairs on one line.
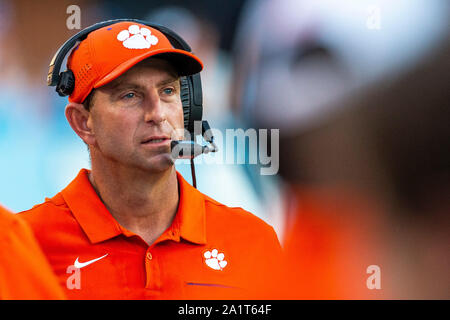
[[154, 110]]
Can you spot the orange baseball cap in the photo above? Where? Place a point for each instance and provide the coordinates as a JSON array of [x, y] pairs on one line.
[[110, 51]]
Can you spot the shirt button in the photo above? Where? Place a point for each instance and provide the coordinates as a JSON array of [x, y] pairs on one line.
[[149, 256]]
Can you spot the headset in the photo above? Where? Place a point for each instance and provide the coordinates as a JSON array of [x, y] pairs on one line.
[[190, 90]]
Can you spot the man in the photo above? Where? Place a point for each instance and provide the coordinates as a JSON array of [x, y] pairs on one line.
[[24, 271], [132, 227]]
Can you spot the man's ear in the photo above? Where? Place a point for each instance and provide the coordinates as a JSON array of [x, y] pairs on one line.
[[80, 120]]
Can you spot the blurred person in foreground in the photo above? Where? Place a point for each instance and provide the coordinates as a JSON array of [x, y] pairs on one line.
[[375, 225], [25, 274], [132, 227], [327, 80]]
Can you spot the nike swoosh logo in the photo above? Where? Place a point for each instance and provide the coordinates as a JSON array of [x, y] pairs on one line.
[[80, 265]]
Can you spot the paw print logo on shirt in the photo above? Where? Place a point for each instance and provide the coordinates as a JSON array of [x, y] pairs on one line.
[[215, 260], [137, 38]]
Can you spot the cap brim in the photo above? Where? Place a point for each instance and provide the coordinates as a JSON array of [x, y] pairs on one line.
[[185, 63]]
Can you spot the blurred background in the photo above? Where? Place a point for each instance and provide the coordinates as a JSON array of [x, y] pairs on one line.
[[358, 89]]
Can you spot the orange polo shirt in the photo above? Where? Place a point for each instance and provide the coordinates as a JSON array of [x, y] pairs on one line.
[[210, 251], [24, 271]]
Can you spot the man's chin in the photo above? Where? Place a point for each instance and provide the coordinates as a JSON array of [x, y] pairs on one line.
[[160, 163]]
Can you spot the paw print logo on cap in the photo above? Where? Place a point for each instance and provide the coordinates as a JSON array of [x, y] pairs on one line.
[[214, 259], [137, 38]]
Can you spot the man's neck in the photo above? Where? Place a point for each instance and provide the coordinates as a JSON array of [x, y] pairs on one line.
[[142, 202]]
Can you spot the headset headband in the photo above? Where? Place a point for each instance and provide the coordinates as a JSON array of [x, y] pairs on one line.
[[55, 65]]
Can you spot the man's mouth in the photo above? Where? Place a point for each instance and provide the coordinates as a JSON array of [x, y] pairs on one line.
[[156, 140]]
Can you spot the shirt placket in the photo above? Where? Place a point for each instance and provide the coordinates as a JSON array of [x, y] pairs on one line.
[[153, 261], [153, 271]]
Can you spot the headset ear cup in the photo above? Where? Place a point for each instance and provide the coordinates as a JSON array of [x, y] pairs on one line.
[[66, 83], [185, 100]]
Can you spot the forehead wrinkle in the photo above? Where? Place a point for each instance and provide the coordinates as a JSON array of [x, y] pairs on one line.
[[121, 82], [138, 83]]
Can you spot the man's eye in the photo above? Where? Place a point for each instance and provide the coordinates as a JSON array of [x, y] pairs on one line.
[[129, 95], [168, 91]]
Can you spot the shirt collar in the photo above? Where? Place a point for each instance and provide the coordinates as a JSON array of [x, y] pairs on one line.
[[99, 225]]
